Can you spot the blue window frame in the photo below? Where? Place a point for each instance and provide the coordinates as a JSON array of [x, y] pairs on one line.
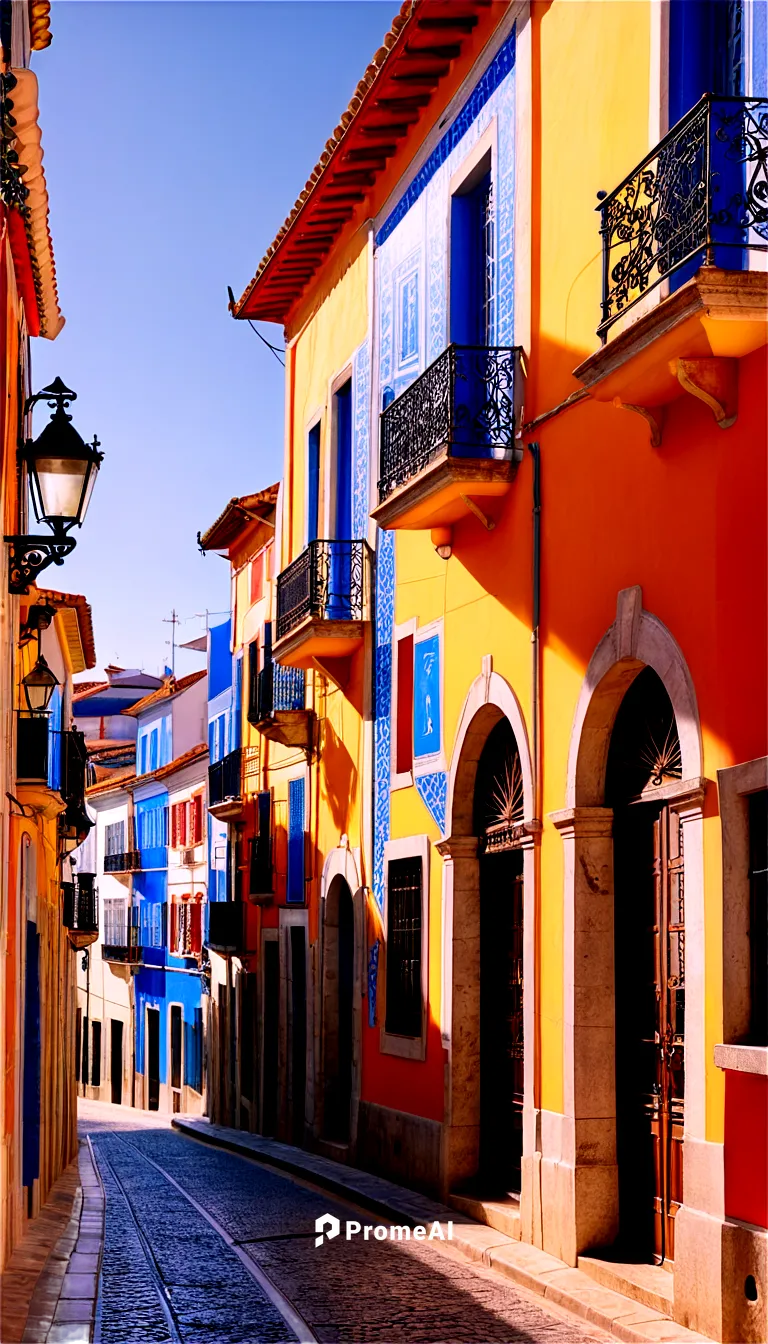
[[313, 482], [295, 884], [409, 318]]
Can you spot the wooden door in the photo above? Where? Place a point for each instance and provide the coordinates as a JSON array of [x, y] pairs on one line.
[[116, 1060], [666, 1105], [501, 1021], [153, 1059]]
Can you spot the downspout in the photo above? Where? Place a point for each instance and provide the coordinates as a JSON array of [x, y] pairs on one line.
[[535, 451]]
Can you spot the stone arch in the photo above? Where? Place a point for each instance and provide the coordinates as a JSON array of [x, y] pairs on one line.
[[341, 873], [636, 640], [490, 698], [579, 1158]]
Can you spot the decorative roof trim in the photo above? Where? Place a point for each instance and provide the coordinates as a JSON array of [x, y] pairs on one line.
[[396, 91], [236, 515], [80, 639], [23, 107], [170, 688]]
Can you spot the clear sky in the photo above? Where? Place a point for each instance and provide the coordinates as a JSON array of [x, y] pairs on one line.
[[177, 137]]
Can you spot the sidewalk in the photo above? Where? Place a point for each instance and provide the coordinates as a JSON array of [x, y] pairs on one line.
[[523, 1264], [51, 1284]]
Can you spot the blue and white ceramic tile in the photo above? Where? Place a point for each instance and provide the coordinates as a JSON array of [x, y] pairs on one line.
[[433, 790], [361, 392]]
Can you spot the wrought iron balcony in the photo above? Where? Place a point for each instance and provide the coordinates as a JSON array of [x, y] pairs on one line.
[[277, 703], [127, 951], [323, 599], [699, 198], [452, 434], [225, 779], [80, 914], [226, 927], [129, 862]]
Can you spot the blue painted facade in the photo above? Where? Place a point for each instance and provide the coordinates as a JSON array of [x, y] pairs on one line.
[[414, 302]]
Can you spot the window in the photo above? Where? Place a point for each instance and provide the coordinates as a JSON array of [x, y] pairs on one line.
[[253, 681], [473, 298], [404, 706], [185, 937], [342, 512], [313, 482], [143, 754], [153, 826], [260, 875], [196, 820], [758, 917], [154, 743], [115, 922], [96, 1057], [409, 318], [178, 825], [404, 1005], [295, 887], [114, 838]]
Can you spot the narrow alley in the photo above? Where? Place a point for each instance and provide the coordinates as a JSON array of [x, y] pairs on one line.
[[202, 1244]]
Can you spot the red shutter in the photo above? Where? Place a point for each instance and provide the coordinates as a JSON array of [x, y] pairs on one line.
[[196, 918], [174, 827], [173, 936], [404, 727], [197, 820]]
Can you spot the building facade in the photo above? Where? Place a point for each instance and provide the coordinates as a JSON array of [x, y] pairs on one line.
[[42, 761], [141, 991], [524, 483]]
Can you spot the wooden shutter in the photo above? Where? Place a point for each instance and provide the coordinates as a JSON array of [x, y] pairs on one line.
[[178, 825], [404, 726], [196, 807], [196, 926], [173, 936]]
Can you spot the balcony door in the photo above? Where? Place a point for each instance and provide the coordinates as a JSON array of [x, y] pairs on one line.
[[153, 1059], [338, 576], [472, 260]]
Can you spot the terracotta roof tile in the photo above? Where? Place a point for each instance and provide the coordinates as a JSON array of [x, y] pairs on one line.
[[82, 608], [235, 515], [170, 688]]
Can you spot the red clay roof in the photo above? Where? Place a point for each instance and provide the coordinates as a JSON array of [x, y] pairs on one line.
[[170, 688], [393, 96], [236, 514], [126, 778], [81, 688]]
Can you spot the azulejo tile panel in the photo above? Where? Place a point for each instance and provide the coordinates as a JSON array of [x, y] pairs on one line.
[[361, 391], [433, 790]]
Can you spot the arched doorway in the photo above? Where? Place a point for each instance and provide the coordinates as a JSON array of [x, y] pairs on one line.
[[338, 1011], [497, 811], [644, 758]]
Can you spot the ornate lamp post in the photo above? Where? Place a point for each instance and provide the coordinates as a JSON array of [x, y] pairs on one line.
[[39, 685], [61, 470]]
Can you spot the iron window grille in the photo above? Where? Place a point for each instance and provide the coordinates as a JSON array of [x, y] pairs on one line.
[[404, 1003], [702, 193], [330, 580], [469, 401]]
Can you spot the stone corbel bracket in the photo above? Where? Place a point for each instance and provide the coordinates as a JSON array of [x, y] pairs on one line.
[[713, 380]]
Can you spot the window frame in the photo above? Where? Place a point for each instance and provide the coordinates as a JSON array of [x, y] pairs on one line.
[[735, 785], [405, 1047], [403, 779]]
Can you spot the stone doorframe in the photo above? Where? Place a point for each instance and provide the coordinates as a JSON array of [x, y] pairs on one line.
[[579, 1162], [342, 863], [489, 700]]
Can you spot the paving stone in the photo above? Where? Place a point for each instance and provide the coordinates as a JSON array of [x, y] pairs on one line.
[[79, 1285]]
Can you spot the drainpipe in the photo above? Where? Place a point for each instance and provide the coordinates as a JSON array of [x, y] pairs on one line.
[[535, 451]]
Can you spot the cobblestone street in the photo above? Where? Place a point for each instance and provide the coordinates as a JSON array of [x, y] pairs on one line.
[[203, 1246]]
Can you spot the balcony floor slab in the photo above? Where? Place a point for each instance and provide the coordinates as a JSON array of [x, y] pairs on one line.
[[437, 495]]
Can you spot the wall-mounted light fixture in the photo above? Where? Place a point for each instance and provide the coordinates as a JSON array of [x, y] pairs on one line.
[[39, 685], [61, 472], [442, 540]]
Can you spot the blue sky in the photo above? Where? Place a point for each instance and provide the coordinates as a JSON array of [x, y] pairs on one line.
[[176, 138]]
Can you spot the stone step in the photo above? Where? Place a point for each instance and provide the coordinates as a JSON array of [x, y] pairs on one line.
[[652, 1285], [501, 1214]]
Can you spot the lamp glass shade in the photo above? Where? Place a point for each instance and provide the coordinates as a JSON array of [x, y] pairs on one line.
[[62, 472], [39, 685]]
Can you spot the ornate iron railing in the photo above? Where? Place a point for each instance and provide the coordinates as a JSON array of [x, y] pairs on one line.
[[129, 862], [128, 951], [702, 192], [330, 579], [225, 778], [81, 904], [279, 689], [469, 401]]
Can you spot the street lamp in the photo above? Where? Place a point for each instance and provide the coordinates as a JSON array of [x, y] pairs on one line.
[[62, 471], [39, 685]]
